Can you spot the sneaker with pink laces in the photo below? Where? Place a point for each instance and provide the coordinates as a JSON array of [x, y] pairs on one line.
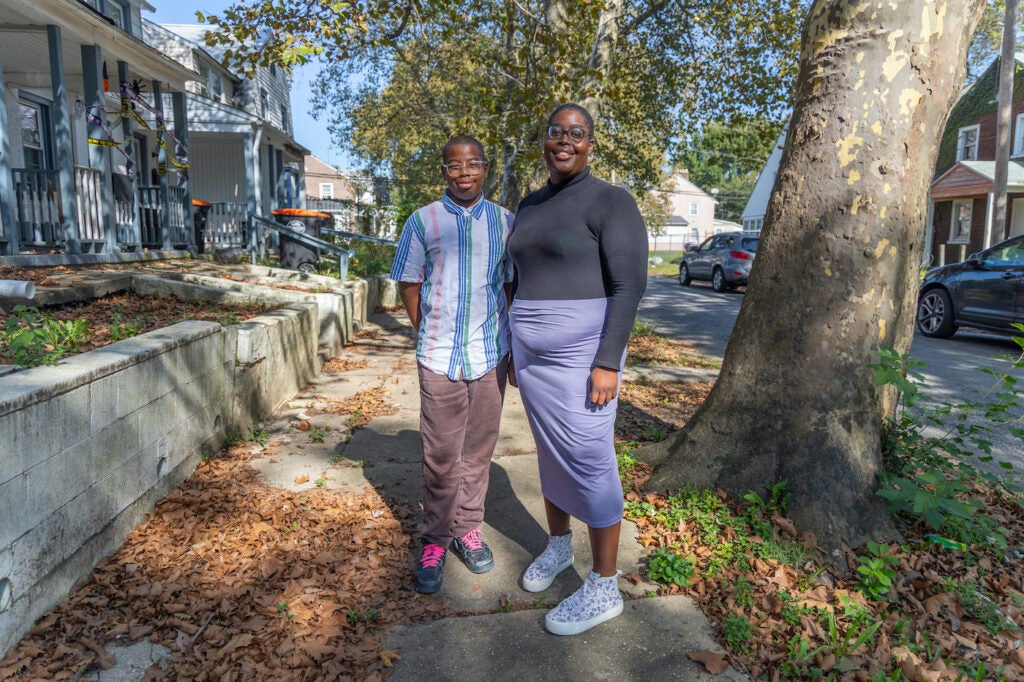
[[473, 551], [430, 570]]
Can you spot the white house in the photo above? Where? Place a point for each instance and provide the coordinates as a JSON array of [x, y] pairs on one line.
[[691, 213], [244, 157]]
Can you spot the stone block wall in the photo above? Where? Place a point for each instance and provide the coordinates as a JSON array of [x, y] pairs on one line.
[[89, 445]]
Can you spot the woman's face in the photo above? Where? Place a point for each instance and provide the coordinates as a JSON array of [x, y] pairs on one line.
[[565, 158]]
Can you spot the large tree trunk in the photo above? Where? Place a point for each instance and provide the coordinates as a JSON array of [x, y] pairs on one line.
[[836, 273]]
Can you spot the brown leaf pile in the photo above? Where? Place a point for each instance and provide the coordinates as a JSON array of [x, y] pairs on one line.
[[41, 277], [339, 365], [242, 582], [363, 406]]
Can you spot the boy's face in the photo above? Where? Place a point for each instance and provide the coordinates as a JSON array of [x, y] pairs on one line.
[[464, 171]]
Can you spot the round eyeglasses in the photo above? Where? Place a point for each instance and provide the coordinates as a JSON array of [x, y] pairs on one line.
[[576, 133], [471, 167]]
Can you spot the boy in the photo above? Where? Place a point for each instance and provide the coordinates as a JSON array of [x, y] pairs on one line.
[[453, 271]]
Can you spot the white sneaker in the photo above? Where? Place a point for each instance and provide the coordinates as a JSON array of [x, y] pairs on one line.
[[552, 561], [595, 602]]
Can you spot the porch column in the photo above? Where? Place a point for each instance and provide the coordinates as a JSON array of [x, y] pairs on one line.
[[99, 156], [161, 166], [279, 178], [990, 209], [249, 142], [7, 199], [128, 130], [271, 175], [62, 143], [184, 181], [301, 184], [929, 234]]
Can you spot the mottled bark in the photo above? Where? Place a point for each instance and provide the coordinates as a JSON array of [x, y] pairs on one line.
[[835, 276]]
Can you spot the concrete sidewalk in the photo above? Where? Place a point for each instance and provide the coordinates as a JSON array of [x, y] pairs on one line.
[[487, 640], [650, 640]]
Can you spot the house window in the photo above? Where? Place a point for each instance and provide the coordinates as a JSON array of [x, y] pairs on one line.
[[117, 12], [693, 208], [960, 229], [1018, 135], [216, 86], [967, 144], [284, 118], [264, 102], [326, 190], [34, 118]]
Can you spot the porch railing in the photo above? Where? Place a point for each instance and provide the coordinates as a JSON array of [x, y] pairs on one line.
[[150, 216], [88, 182], [38, 214], [226, 224]]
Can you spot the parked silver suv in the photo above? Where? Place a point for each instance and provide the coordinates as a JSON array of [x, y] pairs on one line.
[[723, 259]]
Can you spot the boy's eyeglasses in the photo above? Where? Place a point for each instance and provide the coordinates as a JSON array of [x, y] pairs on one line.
[[472, 167], [576, 133]]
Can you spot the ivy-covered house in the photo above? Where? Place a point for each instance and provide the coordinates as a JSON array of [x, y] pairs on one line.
[[961, 211]]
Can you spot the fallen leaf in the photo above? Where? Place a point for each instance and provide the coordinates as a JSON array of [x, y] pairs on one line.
[[389, 656], [714, 662], [302, 478]]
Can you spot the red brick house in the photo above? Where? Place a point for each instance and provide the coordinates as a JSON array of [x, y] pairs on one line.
[[962, 193]]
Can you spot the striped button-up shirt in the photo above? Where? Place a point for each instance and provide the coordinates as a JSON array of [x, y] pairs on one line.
[[458, 254]]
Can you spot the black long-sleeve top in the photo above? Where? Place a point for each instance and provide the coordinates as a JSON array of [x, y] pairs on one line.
[[583, 239]]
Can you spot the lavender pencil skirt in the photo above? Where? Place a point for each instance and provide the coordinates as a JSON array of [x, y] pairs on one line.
[[553, 347]]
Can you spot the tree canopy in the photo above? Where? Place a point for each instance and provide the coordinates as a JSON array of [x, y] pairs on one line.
[[398, 79]]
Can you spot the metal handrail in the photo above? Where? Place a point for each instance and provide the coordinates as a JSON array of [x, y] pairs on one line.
[[356, 235], [255, 248]]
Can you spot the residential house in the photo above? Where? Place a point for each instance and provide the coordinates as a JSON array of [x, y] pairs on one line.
[[244, 157], [68, 181], [961, 208], [757, 205], [690, 214], [330, 191]]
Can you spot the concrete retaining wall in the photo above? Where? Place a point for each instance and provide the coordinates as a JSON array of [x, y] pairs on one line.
[[89, 445]]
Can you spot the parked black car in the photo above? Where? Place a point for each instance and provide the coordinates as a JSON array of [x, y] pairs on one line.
[[985, 291], [724, 259]]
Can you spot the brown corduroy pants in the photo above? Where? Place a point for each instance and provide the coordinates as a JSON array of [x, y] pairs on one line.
[[459, 423]]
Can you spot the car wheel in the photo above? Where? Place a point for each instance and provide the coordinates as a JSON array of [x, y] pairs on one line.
[[935, 314], [684, 275], [718, 282]]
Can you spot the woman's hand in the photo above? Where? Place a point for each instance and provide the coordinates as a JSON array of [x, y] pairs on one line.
[[512, 373], [604, 386]]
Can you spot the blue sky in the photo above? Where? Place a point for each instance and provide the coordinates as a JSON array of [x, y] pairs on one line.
[[310, 133]]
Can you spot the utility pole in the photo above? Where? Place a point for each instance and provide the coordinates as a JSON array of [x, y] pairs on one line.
[[1007, 68]]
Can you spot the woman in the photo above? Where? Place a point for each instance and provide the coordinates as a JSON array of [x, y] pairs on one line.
[[580, 252]]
